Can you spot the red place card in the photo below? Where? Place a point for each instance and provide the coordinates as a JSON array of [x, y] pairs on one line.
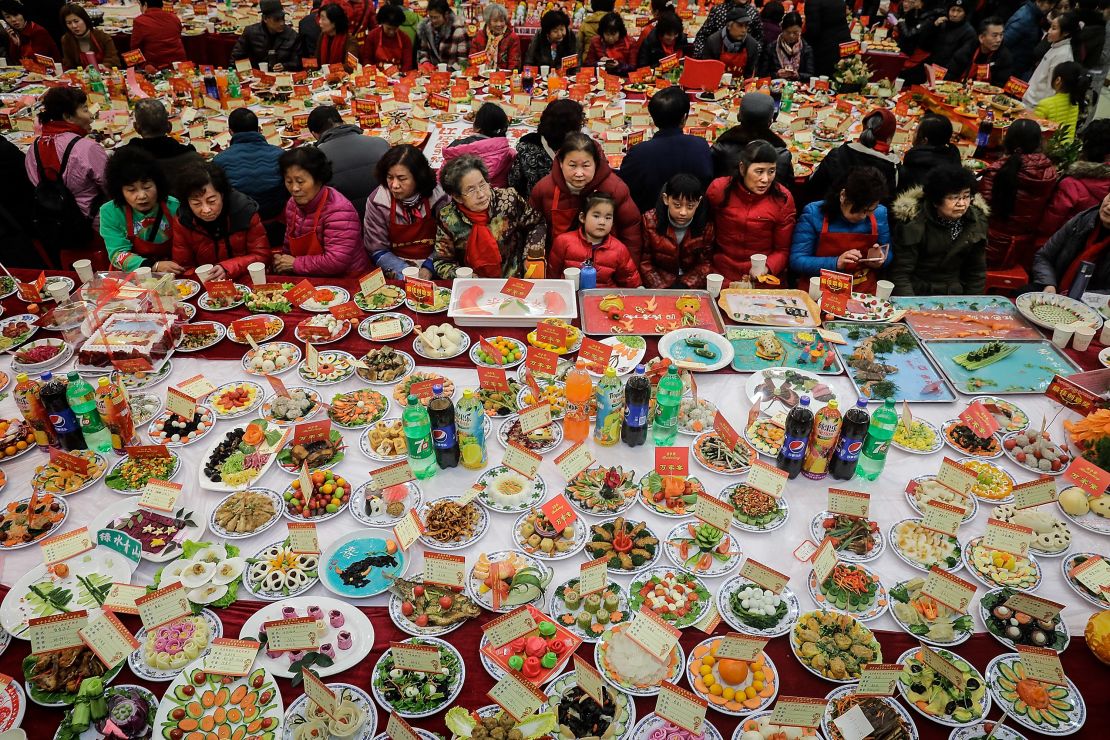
[[594, 353], [487, 347], [548, 332], [345, 311], [277, 384], [672, 461], [1088, 476], [493, 379], [300, 293], [256, 327], [979, 420], [727, 433], [222, 289], [559, 512], [420, 291], [68, 461], [423, 389], [517, 288], [312, 431], [542, 361], [836, 289]]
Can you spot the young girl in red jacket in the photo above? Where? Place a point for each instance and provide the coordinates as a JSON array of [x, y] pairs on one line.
[[678, 236], [594, 242]]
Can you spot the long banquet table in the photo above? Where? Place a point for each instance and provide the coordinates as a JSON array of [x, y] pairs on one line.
[[220, 364]]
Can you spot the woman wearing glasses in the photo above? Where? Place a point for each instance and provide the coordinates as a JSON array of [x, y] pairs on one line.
[[940, 236], [484, 228]]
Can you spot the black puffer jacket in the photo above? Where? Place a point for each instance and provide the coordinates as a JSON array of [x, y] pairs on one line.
[[726, 153], [1051, 262], [919, 160], [256, 43], [531, 165]]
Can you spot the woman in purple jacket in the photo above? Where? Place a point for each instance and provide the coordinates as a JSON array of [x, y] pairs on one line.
[[399, 229], [322, 231]]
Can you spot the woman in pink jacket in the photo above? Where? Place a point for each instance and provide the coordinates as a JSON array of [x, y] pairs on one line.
[[489, 144], [323, 236]]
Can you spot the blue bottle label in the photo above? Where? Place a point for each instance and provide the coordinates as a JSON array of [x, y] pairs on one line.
[[793, 448], [444, 437], [636, 415], [64, 421], [848, 449]]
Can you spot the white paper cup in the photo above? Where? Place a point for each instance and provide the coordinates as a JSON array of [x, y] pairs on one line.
[[713, 283], [58, 292], [464, 272], [442, 67], [411, 272], [759, 265], [545, 70], [257, 271], [202, 272], [263, 66], [1061, 335], [726, 79], [84, 270], [1104, 337], [883, 289], [815, 287], [1082, 338], [571, 274], [142, 273]]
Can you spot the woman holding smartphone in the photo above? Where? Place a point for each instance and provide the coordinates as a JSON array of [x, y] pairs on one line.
[[848, 231]]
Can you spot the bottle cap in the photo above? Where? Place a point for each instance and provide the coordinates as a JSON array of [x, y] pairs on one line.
[[21, 377], [413, 400], [804, 400], [103, 382], [861, 402], [437, 388], [46, 377], [639, 369]]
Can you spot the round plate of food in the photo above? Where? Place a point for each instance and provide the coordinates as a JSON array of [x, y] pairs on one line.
[[753, 610]]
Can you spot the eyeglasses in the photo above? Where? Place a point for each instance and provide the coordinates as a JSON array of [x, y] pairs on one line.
[[958, 198], [473, 190]]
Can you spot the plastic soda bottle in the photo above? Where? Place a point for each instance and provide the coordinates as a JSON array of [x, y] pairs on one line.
[[846, 455], [637, 399], [441, 412], [822, 441], [470, 429], [116, 414], [664, 427], [418, 438], [82, 400], [799, 424], [872, 457], [67, 431], [27, 398], [610, 408], [579, 388]]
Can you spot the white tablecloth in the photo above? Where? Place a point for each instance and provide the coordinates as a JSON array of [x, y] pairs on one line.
[[806, 497]]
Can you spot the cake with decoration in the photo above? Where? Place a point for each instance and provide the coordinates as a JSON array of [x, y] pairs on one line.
[[130, 336]]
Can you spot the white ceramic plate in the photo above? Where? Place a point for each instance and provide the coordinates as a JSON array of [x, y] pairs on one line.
[[354, 622], [137, 662], [738, 583], [274, 710], [294, 715], [219, 531], [61, 522], [259, 391], [479, 528], [275, 346], [405, 320], [220, 332], [382, 519], [673, 345]]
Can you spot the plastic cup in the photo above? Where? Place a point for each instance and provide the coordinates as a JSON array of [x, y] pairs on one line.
[[442, 67], [257, 271], [713, 283], [84, 270], [464, 272], [726, 79], [58, 292], [815, 287], [759, 265], [545, 70], [571, 274], [1104, 337], [1082, 338], [883, 289], [411, 272], [202, 272], [1061, 335], [142, 274]]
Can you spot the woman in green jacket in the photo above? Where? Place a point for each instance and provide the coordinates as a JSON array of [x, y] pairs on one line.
[[939, 236], [137, 223]]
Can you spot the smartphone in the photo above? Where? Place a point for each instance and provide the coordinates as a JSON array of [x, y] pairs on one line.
[[884, 249]]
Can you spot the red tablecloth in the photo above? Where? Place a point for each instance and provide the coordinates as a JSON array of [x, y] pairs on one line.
[[885, 65], [1090, 675], [205, 48]]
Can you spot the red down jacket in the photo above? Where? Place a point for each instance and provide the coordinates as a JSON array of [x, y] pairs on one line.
[[1010, 239], [662, 257], [611, 259], [243, 240], [626, 225], [1083, 186], [748, 224]]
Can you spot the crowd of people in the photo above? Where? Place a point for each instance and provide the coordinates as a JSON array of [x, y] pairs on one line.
[[677, 209]]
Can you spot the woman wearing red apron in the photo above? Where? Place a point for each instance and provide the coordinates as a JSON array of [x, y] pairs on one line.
[[322, 232], [399, 228], [137, 223], [847, 232], [387, 44], [736, 49], [335, 42], [578, 170]]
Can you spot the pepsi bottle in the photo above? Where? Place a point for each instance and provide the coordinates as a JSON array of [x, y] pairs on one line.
[[441, 413], [852, 433], [799, 423]]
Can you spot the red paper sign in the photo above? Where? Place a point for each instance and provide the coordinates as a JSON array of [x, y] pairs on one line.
[[300, 292], [1088, 476], [836, 289], [595, 354], [145, 452], [420, 291], [549, 332], [980, 421], [1075, 397], [345, 311], [312, 431], [493, 379], [423, 389], [729, 437], [491, 350], [133, 365], [849, 48], [541, 361], [669, 62], [517, 288], [133, 58], [559, 512], [672, 461], [222, 289], [1015, 87], [256, 327], [68, 461]]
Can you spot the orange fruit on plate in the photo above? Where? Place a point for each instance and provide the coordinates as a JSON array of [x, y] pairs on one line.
[[733, 672]]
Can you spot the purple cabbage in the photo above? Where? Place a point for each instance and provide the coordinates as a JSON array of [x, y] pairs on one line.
[[128, 713]]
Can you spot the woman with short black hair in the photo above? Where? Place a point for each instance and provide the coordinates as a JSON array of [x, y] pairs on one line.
[[847, 232], [323, 236], [553, 43], [399, 228], [665, 39], [336, 41], [485, 228], [536, 150], [219, 226], [940, 236], [489, 142], [387, 43], [137, 223], [932, 148], [752, 214], [83, 45]]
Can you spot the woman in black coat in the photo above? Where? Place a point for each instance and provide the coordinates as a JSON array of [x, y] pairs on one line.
[[932, 148], [826, 30]]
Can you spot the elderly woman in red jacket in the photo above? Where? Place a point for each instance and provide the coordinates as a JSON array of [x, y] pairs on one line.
[[216, 225], [578, 170], [323, 233], [497, 39], [752, 214], [1017, 188], [678, 236]]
